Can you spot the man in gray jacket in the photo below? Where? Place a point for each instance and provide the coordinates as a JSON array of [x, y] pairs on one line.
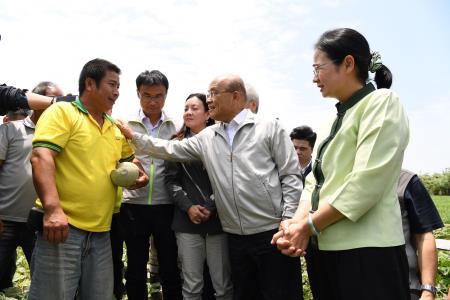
[[149, 210], [256, 181]]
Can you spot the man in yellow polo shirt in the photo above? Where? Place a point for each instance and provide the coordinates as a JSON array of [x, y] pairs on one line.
[[75, 148]]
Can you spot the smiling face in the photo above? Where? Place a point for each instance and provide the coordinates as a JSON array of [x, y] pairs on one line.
[[220, 101], [195, 114], [106, 93]]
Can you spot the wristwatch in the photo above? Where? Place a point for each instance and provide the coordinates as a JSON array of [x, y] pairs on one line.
[[428, 287]]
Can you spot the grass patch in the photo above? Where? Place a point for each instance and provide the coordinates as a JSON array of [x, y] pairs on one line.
[[443, 206], [22, 280]]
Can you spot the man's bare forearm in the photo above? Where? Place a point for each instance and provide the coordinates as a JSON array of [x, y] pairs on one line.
[[427, 255], [55, 223], [43, 163]]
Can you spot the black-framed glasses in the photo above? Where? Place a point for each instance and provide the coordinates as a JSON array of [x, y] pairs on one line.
[[212, 94]]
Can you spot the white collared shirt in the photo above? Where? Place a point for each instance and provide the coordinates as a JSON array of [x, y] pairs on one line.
[[232, 127], [29, 123], [152, 130], [307, 166]]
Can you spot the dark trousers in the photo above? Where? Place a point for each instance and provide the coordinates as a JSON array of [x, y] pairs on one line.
[[139, 223], [208, 289], [260, 271], [116, 236], [363, 273], [14, 234]]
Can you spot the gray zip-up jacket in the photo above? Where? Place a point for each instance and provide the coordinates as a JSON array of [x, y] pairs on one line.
[[155, 192], [256, 182]]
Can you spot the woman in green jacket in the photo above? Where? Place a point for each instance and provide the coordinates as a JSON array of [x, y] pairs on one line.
[[348, 211]]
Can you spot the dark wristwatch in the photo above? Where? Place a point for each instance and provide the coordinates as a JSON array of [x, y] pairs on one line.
[[428, 287]]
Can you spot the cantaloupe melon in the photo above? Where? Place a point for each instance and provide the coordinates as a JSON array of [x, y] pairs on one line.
[[125, 174]]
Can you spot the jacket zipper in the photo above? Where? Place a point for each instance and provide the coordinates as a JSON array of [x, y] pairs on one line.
[[152, 166], [232, 186]]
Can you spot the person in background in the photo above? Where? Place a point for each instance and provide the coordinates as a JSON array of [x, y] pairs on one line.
[[148, 211], [304, 138], [256, 181], [75, 148], [10, 267], [16, 115], [419, 218], [17, 193], [197, 227], [349, 206], [252, 98]]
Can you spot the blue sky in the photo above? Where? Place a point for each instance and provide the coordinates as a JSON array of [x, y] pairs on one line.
[[268, 43]]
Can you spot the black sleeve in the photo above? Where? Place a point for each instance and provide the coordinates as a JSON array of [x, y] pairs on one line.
[[12, 98], [422, 213], [172, 180]]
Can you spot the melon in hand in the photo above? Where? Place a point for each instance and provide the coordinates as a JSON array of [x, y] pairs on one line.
[[125, 174]]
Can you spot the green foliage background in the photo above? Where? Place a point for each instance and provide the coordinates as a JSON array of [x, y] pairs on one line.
[[437, 183], [22, 279]]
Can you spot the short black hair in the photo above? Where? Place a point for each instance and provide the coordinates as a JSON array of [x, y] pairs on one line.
[[304, 133], [153, 77], [95, 69]]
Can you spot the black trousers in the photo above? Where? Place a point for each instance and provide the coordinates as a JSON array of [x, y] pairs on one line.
[[14, 234], [139, 223], [116, 236], [260, 271], [363, 273]]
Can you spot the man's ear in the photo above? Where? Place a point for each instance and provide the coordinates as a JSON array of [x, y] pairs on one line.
[[90, 84]]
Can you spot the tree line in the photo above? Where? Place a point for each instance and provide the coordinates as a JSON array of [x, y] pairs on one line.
[[437, 183]]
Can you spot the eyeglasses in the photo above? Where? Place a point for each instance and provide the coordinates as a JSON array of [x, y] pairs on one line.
[[318, 67], [158, 97], [212, 94]]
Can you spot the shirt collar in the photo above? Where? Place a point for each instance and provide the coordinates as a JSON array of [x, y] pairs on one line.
[[29, 123], [78, 104], [355, 98], [307, 166], [238, 119], [142, 117]]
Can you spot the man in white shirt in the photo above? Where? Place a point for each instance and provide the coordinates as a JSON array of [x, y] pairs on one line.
[[304, 138]]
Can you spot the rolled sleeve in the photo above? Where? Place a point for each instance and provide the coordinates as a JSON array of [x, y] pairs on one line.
[[12, 98]]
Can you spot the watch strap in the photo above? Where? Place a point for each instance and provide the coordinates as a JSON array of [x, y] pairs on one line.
[[428, 287]]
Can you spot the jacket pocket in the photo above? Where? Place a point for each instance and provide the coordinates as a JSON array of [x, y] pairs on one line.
[[265, 188]]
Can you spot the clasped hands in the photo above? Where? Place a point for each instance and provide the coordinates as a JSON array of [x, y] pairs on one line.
[[198, 214], [292, 238]]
